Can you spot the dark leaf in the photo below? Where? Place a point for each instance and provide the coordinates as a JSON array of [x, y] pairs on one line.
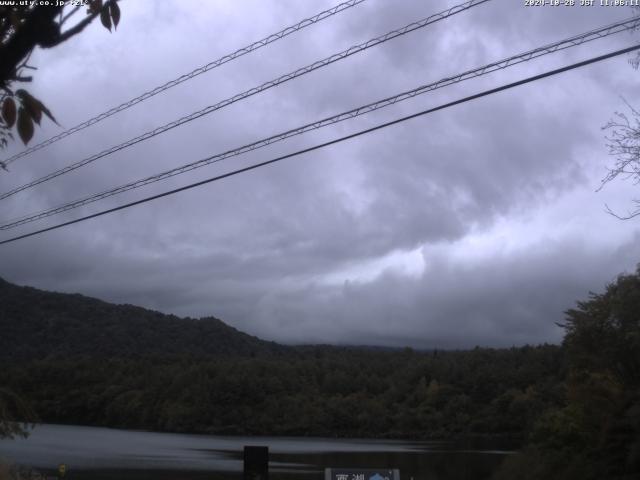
[[31, 104], [35, 107], [15, 21], [95, 6], [115, 13], [35, 113], [25, 125], [48, 113], [105, 19], [9, 112]]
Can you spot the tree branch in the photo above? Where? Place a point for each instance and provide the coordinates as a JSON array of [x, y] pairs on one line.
[[19, 78], [80, 25], [620, 217], [68, 15]]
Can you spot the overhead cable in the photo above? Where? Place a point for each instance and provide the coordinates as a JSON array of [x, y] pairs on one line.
[[253, 91], [188, 76], [331, 142], [484, 70]]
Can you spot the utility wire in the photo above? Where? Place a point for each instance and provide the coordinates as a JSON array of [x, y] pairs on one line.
[[188, 76], [332, 142], [255, 90], [501, 64]]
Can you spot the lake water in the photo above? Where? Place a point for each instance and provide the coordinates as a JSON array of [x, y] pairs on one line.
[[103, 453]]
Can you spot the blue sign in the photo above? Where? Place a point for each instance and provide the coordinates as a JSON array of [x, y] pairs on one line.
[[361, 474]]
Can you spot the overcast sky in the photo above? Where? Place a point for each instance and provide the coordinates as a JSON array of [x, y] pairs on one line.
[[476, 225]]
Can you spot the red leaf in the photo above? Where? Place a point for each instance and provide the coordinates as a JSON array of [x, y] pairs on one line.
[[9, 112]]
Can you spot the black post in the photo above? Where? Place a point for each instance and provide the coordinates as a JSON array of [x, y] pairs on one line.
[[256, 463]]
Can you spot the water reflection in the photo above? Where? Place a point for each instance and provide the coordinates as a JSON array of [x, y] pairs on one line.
[[100, 453]]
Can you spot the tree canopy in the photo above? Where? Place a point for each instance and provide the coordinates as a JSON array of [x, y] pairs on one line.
[[596, 434]]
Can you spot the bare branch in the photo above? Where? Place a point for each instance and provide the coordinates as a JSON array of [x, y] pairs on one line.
[[629, 216], [24, 62], [623, 143]]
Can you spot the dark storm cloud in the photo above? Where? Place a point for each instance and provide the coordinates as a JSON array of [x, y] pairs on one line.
[[475, 225]]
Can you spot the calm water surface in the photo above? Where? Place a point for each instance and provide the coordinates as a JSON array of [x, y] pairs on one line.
[[102, 453]]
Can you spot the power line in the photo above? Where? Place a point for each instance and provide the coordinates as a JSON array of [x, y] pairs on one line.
[[253, 91], [501, 64], [332, 142], [188, 76]]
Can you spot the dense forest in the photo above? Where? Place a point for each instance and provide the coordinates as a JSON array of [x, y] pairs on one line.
[[575, 408], [316, 391]]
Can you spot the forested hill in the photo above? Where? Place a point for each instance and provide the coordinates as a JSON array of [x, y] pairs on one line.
[[82, 361], [576, 405], [36, 324]]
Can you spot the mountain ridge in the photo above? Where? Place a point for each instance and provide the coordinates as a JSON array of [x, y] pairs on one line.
[[37, 324]]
